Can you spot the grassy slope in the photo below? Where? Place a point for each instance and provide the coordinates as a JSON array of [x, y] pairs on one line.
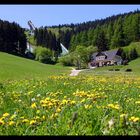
[[13, 67], [134, 65], [135, 45]]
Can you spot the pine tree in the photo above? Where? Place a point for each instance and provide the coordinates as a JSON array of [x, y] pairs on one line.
[[133, 54], [102, 43], [118, 37]]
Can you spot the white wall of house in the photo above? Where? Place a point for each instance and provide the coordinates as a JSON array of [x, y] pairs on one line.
[[98, 58]]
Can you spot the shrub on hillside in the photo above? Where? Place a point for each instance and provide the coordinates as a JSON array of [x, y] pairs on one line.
[[111, 69], [66, 60], [128, 70], [43, 55], [117, 69]]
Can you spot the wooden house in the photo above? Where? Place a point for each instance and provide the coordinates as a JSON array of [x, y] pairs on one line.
[[106, 58]]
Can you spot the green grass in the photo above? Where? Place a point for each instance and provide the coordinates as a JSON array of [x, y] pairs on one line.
[[135, 45], [134, 65], [13, 67], [64, 105]]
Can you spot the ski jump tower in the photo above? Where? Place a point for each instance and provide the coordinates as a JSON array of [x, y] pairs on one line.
[[32, 27]]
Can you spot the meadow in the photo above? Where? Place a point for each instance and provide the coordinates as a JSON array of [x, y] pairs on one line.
[[17, 68], [63, 105], [47, 101]]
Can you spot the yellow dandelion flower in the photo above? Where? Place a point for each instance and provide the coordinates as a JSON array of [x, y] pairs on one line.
[[110, 105], [2, 122], [134, 119], [43, 117], [123, 115], [72, 102], [32, 122], [6, 114], [56, 115], [65, 97], [11, 123], [22, 117], [37, 118], [33, 105], [116, 107], [88, 106], [44, 105], [13, 116], [38, 111], [83, 100], [25, 121], [58, 110], [137, 102]]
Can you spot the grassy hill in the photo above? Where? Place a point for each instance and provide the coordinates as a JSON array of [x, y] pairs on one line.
[[110, 70], [132, 45], [13, 67]]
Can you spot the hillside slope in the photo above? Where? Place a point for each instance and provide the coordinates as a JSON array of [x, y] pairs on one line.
[[109, 70], [13, 67]]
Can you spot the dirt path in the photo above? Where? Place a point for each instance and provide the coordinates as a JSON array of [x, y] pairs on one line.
[[75, 72]]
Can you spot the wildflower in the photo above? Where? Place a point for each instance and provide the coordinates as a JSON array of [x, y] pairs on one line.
[[134, 119], [58, 110], [38, 95], [37, 118], [19, 100], [32, 122], [83, 100], [105, 132], [73, 102], [33, 99], [25, 121], [30, 92], [2, 122], [88, 106], [114, 106], [33, 105], [111, 123], [123, 115], [65, 97], [44, 105], [38, 111], [11, 123], [43, 117], [22, 117], [6, 114], [137, 102], [56, 114], [13, 116]]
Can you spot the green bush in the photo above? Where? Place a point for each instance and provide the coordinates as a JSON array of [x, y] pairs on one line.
[[128, 70], [117, 69], [43, 55], [66, 60]]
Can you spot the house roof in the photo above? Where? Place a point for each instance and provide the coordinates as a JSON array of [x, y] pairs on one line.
[[110, 54]]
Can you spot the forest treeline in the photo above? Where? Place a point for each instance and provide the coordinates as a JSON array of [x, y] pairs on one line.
[[109, 33], [48, 40], [12, 38]]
